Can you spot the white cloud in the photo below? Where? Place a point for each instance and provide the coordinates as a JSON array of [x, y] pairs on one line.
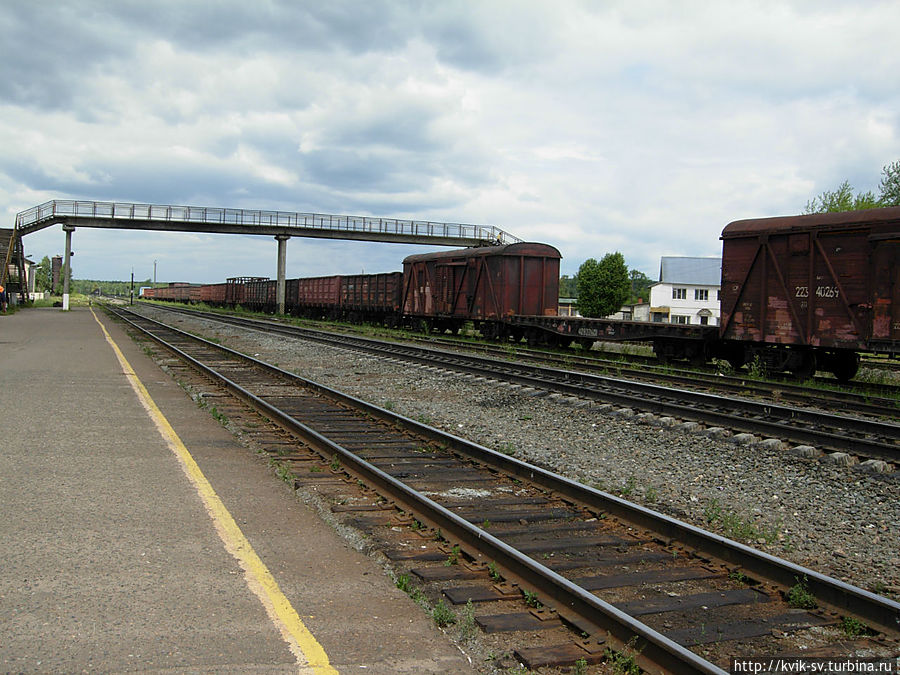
[[631, 126]]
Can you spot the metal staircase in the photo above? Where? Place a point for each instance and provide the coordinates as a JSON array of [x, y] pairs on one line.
[[13, 254]]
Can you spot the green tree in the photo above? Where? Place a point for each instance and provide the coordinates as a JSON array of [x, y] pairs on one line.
[[602, 286], [640, 287], [43, 275], [842, 199], [568, 286], [890, 184]]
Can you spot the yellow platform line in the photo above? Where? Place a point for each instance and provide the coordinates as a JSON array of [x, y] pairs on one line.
[[311, 657]]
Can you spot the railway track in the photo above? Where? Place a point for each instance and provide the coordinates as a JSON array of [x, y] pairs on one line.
[[864, 398], [856, 395], [868, 438], [565, 570], [878, 400]]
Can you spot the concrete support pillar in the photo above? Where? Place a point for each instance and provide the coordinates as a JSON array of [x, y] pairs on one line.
[[282, 260], [67, 261]]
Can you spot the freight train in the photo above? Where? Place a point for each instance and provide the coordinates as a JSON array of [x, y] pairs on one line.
[[798, 294]]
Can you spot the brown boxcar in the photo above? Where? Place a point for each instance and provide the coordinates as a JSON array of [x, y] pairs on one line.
[[315, 296], [811, 291], [372, 297], [177, 291], [259, 295], [236, 291], [485, 285], [213, 294]]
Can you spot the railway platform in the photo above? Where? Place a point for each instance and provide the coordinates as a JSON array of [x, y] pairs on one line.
[[138, 535]]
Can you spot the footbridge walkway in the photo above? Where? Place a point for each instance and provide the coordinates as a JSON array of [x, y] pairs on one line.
[[249, 221], [280, 224]]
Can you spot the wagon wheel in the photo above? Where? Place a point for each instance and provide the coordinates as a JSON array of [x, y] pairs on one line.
[[736, 360], [697, 356], [845, 366], [807, 366]]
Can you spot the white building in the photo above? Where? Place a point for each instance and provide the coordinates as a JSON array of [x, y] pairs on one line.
[[687, 292]]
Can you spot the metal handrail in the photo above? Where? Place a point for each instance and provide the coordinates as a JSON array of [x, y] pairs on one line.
[[250, 217]]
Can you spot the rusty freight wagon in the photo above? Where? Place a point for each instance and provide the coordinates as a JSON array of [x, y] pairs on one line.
[[810, 292], [372, 297], [213, 294], [315, 297], [259, 295], [486, 285], [236, 289]]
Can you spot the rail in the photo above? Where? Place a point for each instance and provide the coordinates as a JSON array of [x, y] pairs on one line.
[[31, 219], [574, 602]]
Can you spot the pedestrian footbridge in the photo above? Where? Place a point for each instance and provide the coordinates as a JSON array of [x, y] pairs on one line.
[[128, 216], [282, 225]]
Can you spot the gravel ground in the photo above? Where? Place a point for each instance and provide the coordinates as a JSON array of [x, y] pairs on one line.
[[836, 520]]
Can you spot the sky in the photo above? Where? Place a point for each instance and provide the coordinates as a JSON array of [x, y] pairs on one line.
[[637, 126]]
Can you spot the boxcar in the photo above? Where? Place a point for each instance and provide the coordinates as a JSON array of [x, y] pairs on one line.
[[259, 295], [808, 292], [236, 289], [213, 294], [177, 292], [486, 285], [315, 297], [372, 297]]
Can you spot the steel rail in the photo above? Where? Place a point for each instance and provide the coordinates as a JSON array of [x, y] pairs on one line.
[[716, 410], [868, 400], [856, 401], [876, 611]]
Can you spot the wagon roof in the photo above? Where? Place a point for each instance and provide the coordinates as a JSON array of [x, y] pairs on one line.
[[520, 248], [881, 220]]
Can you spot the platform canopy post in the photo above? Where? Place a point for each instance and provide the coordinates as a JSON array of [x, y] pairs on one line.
[[282, 260], [67, 261]]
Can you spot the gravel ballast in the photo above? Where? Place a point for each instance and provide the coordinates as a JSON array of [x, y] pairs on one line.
[[835, 519]]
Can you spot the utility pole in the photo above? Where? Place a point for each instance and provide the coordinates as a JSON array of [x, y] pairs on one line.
[[154, 273], [132, 286]]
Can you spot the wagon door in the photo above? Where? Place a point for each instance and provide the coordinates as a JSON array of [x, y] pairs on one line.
[[886, 295], [449, 278]]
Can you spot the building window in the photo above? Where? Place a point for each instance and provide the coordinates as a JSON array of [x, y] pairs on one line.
[[676, 318], [704, 320], [701, 294], [679, 294]]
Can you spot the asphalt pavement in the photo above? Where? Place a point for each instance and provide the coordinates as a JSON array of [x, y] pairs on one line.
[[111, 562]]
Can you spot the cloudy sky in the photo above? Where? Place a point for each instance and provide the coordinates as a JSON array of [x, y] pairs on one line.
[[635, 126]]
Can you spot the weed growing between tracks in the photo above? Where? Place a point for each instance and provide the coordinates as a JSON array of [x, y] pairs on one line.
[[853, 628], [625, 661], [531, 599], [799, 596], [737, 527], [453, 557], [442, 614]]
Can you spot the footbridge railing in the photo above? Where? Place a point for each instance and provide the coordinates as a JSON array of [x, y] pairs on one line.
[[253, 221]]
